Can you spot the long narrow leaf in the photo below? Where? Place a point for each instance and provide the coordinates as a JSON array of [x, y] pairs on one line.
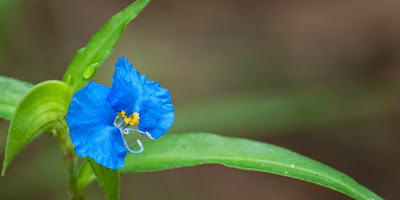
[[86, 61], [191, 149]]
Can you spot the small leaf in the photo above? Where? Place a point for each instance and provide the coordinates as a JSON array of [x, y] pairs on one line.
[[191, 149], [40, 110], [11, 93], [108, 179], [86, 176], [86, 60]]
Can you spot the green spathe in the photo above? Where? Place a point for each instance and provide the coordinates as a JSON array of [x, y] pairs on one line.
[[41, 109]]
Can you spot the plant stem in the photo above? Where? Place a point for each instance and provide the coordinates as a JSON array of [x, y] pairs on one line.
[[70, 160]]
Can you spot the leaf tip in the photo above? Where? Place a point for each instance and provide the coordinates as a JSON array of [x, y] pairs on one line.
[[3, 171]]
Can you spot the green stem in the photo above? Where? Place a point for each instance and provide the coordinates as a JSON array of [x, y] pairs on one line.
[[75, 193], [70, 160], [79, 196]]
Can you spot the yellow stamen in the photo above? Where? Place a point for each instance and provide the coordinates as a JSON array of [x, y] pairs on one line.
[[127, 120], [123, 114], [135, 119]]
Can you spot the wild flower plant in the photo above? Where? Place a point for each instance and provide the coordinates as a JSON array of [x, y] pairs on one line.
[[90, 123]]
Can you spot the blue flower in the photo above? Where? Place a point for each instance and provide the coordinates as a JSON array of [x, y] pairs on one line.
[[99, 117]]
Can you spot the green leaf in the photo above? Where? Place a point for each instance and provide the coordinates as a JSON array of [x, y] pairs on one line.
[[11, 93], [86, 61], [108, 179], [86, 176], [42, 109], [191, 149]]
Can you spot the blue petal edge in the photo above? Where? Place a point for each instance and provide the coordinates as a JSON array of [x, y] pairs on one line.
[[157, 112]]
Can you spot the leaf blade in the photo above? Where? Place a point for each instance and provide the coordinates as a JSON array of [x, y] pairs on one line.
[[108, 179], [86, 61], [39, 110], [182, 150], [85, 176], [11, 93]]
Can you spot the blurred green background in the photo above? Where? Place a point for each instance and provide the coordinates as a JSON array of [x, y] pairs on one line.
[[320, 78]]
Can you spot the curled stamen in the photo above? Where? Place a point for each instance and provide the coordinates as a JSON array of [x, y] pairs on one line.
[[119, 123], [126, 126], [149, 136], [130, 150], [132, 129], [144, 133]]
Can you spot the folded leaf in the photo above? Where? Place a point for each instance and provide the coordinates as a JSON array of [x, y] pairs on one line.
[[191, 149], [108, 179], [11, 93], [40, 110], [86, 61]]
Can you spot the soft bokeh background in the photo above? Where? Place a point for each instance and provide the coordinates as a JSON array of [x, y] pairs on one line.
[[318, 77]]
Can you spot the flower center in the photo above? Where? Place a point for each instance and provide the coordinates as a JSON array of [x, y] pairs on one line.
[[123, 122], [132, 120]]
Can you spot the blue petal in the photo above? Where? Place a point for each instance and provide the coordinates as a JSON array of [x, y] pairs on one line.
[[126, 87], [90, 120], [156, 111], [133, 92]]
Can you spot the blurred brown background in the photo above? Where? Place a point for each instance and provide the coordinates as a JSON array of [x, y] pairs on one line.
[[331, 68]]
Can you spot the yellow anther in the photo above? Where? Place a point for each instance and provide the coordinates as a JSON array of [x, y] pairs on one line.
[[135, 119], [127, 120], [123, 114]]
